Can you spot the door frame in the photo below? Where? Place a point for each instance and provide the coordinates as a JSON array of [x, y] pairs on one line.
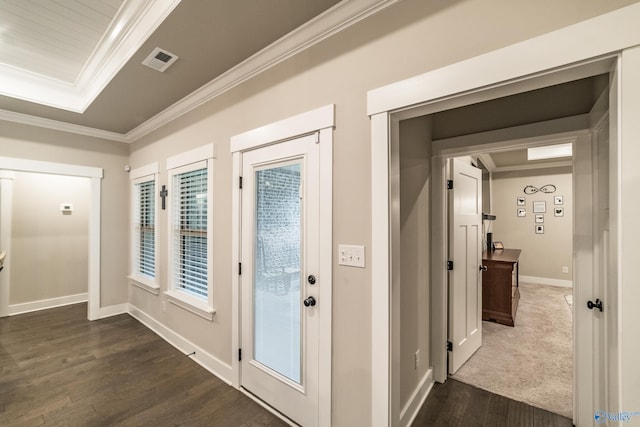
[[95, 176], [322, 122], [583, 248], [542, 61]]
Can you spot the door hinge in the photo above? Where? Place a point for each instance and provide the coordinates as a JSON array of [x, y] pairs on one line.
[[240, 183], [449, 265], [449, 346], [239, 268], [239, 355], [449, 184], [317, 137]]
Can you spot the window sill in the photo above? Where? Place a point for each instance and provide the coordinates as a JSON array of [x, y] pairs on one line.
[[190, 304], [145, 284]]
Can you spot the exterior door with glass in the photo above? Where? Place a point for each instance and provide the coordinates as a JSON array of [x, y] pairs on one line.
[[280, 291]]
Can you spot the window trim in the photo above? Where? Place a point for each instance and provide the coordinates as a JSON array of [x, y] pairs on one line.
[[143, 174], [184, 162]]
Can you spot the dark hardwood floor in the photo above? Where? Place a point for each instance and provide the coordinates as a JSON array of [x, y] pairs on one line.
[[457, 404], [57, 368]]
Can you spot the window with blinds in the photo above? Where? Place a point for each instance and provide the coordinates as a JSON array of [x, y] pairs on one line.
[[144, 228], [190, 232]]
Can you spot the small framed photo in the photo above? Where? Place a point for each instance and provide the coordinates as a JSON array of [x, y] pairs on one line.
[[539, 218], [558, 200], [540, 207], [498, 246], [539, 229], [522, 212], [521, 201], [558, 211]]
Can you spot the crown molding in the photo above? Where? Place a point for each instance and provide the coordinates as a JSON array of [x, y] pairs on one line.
[[40, 122], [130, 28], [338, 18], [341, 16]]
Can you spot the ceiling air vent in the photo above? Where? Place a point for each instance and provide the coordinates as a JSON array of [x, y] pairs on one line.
[[160, 59]]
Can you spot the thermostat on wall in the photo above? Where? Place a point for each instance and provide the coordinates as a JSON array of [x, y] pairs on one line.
[[66, 207]]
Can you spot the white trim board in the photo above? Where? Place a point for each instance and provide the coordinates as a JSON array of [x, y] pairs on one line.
[[545, 54], [201, 357], [27, 307], [546, 281], [322, 121], [417, 399], [112, 310], [36, 166]]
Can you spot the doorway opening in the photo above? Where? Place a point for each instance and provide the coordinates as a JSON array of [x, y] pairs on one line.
[[536, 216], [527, 341], [87, 177], [409, 130]]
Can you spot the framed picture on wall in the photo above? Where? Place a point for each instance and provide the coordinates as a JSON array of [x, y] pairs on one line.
[[539, 229], [558, 200], [521, 212], [521, 201], [539, 218], [558, 211], [540, 207]]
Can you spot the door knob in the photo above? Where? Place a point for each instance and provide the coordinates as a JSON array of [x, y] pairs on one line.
[[483, 268], [311, 279], [591, 305], [309, 302]]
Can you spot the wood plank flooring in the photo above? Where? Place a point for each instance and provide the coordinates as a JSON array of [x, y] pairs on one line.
[[57, 368], [457, 404]]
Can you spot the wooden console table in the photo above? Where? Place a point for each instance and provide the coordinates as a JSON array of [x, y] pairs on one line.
[[500, 293]]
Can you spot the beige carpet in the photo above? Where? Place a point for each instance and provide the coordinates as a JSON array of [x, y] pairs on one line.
[[531, 362]]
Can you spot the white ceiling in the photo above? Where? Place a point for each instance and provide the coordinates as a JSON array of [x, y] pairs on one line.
[[54, 40], [62, 53], [75, 65]]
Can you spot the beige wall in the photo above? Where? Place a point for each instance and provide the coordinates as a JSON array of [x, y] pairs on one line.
[[27, 142], [410, 38], [49, 257], [543, 255], [415, 173]]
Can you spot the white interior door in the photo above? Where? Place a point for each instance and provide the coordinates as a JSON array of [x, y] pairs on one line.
[[280, 288], [465, 250]]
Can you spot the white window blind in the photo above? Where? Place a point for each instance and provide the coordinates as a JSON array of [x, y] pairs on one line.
[[144, 228], [190, 232]]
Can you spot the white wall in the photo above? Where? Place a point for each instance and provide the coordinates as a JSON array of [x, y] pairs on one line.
[[49, 257], [543, 255]]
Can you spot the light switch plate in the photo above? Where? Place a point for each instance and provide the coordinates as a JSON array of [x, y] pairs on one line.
[[351, 255]]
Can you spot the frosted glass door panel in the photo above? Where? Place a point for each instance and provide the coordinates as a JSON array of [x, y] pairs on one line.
[[276, 293]]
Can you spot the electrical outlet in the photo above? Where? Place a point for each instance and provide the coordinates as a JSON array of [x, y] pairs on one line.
[[565, 270], [417, 359], [351, 255], [164, 306]]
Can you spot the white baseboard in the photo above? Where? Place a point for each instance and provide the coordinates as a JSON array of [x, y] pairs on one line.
[[416, 400], [204, 359], [113, 310], [27, 307], [546, 281]]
